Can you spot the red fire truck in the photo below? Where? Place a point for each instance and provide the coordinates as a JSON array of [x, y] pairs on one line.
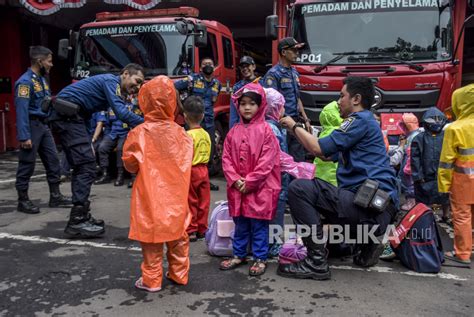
[[166, 42], [412, 49]]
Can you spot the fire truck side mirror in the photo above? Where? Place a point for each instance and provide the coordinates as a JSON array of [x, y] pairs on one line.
[[200, 35], [63, 49], [182, 27], [468, 22], [271, 27], [73, 38]]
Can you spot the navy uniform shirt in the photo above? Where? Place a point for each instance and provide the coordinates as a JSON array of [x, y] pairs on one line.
[[362, 154], [99, 116], [98, 93], [116, 127], [197, 85], [287, 81], [30, 90], [234, 114]]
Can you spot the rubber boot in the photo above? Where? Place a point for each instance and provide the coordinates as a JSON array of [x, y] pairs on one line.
[[79, 226], [119, 180], [25, 204], [104, 179], [56, 199], [98, 222], [314, 266]]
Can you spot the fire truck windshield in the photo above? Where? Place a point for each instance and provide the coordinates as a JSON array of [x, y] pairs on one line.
[[159, 48], [409, 30]]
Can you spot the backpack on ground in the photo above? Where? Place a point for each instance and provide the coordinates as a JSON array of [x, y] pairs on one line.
[[417, 242], [292, 251], [220, 232]]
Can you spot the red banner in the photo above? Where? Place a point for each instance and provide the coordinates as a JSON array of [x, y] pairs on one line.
[[137, 4], [47, 7]]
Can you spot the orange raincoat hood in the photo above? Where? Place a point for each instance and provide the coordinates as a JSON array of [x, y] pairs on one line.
[[157, 100], [160, 151]]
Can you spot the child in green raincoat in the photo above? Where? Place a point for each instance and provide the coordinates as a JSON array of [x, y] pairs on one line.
[[330, 120]]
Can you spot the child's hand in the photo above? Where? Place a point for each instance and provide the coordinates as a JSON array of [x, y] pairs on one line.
[[238, 184], [287, 122], [242, 189]]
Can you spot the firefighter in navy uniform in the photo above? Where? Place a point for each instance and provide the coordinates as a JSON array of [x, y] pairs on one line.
[[73, 107], [285, 79], [113, 139], [247, 70], [33, 132], [208, 88], [359, 147]]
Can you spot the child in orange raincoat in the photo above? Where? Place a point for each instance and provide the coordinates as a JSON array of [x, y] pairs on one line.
[[161, 152]]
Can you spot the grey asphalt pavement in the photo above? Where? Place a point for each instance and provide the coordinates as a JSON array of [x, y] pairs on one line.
[[44, 274]]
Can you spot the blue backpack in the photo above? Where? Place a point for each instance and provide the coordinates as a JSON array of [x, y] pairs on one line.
[[417, 242]]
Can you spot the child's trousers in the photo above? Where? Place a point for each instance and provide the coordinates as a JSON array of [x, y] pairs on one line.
[[462, 215], [199, 198], [254, 231], [177, 255]]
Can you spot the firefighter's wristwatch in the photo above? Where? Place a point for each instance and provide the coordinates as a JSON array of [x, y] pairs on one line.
[[297, 125]]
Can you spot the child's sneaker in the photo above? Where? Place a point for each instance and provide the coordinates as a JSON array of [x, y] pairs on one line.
[[193, 237], [139, 284], [387, 254], [200, 236], [274, 250]]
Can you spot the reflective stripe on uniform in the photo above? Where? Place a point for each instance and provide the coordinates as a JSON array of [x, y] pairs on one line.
[[469, 151], [446, 165], [464, 170]]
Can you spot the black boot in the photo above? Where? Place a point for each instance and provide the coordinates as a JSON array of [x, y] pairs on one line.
[[97, 222], [104, 179], [25, 204], [119, 180], [98, 172], [56, 199], [369, 253], [79, 226], [214, 187], [314, 266]]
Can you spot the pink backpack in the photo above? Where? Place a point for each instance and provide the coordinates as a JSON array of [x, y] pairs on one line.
[[220, 232]]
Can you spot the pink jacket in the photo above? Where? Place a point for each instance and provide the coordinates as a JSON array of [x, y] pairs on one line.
[[251, 151]]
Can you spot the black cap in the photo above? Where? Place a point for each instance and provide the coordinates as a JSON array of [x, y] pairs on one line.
[[247, 60], [288, 42]]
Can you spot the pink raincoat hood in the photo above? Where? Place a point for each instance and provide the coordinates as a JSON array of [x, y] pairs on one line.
[[260, 115], [275, 103]]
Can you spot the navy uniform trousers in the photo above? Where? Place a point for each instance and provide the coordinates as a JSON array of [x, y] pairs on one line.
[[106, 146], [76, 142], [309, 199], [43, 144]]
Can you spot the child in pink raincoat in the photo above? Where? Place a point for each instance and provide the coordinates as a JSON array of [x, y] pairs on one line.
[[251, 164]]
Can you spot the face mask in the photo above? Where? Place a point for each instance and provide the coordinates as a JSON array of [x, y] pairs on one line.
[[43, 72], [42, 69], [208, 69]]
